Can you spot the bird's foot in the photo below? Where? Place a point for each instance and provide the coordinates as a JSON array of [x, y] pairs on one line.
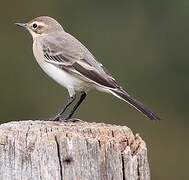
[[65, 119]]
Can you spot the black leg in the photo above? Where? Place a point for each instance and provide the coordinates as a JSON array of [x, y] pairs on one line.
[[69, 102], [82, 97]]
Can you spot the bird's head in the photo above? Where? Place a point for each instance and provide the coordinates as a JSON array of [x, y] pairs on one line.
[[41, 25]]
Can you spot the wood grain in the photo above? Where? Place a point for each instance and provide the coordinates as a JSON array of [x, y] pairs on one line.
[[46, 150]]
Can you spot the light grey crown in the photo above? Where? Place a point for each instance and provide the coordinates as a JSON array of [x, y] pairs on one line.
[[44, 24]]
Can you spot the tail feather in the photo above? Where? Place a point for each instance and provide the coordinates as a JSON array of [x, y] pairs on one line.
[[121, 94]]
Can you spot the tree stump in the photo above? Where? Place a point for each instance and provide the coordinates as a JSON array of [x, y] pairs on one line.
[[46, 150]]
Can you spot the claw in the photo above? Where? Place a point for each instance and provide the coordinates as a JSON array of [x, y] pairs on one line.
[[65, 119]]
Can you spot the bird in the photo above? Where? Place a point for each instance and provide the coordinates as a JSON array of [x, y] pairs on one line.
[[65, 59]]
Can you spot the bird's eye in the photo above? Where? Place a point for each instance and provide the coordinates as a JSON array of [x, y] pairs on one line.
[[34, 25]]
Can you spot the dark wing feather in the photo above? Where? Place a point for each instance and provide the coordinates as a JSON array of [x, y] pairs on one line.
[[94, 76], [51, 56]]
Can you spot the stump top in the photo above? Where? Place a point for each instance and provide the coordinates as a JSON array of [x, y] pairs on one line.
[[92, 131]]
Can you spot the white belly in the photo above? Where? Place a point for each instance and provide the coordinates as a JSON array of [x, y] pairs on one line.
[[63, 78]]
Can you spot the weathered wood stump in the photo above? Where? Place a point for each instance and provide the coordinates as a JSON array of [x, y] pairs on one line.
[[46, 150]]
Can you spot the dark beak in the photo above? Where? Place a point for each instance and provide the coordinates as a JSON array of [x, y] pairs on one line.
[[24, 25]]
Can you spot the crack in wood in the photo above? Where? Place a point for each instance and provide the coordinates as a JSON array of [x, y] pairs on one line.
[[59, 156], [123, 166]]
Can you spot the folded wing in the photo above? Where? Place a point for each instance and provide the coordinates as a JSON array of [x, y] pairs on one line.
[[76, 59]]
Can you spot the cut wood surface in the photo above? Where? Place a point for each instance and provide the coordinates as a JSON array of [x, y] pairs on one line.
[[47, 150]]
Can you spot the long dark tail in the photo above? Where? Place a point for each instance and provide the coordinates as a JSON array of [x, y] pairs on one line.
[[121, 94]]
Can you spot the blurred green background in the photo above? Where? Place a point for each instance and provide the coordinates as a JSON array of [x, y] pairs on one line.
[[143, 43]]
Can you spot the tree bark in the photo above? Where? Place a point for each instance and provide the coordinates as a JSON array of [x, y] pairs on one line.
[[47, 150]]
